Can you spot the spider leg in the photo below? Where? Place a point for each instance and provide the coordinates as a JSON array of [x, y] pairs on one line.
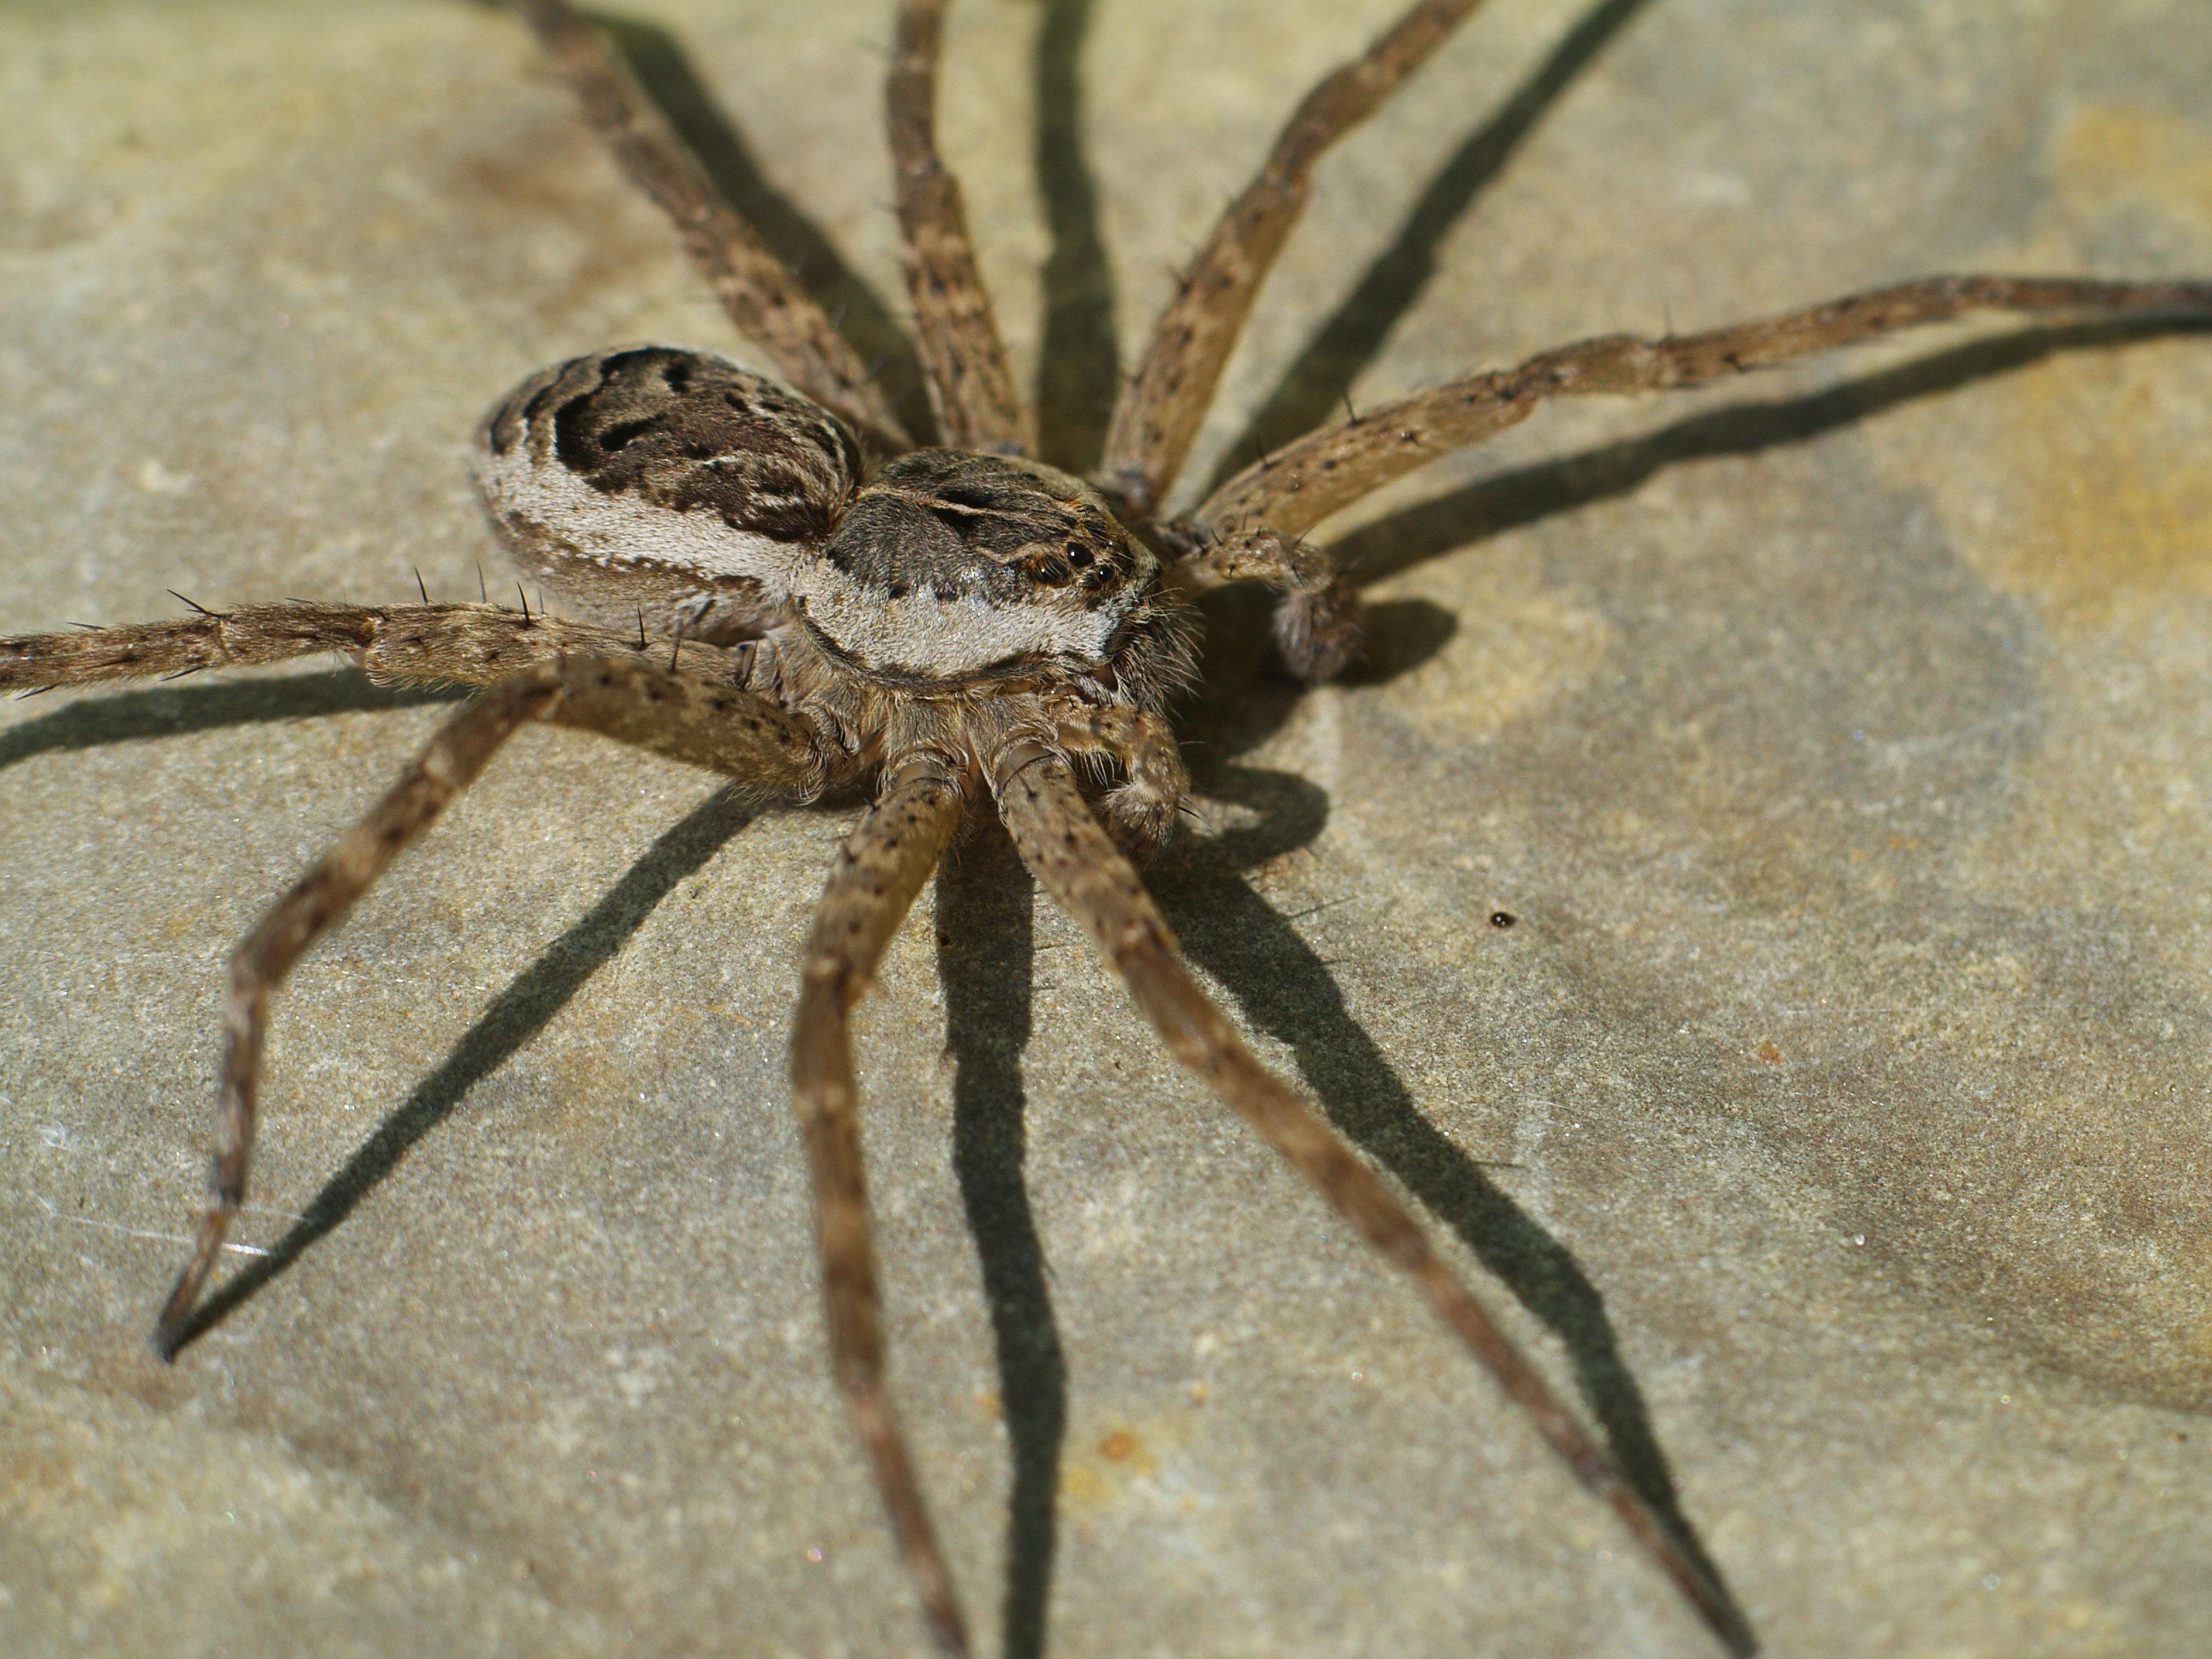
[[1298, 487], [1072, 857], [880, 869], [1142, 809], [684, 716], [756, 287], [1158, 411], [971, 386], [445, 644]]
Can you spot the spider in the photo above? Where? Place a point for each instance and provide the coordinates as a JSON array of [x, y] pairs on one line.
[[696, 625]]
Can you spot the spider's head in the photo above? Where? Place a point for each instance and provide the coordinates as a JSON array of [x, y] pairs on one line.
[[951, 569]]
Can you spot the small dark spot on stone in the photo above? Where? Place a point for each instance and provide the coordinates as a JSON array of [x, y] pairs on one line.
[[1503, 919]]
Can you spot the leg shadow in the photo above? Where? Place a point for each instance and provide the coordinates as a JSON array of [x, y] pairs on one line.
[[1078, 373], [516, 1016], [1508, 501], [985, 966], [127, 716], [657, 60], [1285, 990]]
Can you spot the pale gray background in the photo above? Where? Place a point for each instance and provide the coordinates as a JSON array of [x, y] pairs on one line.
[[1839, 741]]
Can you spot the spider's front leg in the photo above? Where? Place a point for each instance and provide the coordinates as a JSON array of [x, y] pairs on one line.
[[683, 716], [881, 867], [1328, 470]]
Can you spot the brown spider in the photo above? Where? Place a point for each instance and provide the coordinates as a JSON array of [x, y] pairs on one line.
[[798, 660]]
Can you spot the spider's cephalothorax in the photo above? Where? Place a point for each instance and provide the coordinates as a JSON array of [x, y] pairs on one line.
[[963, 629], [955, 605]]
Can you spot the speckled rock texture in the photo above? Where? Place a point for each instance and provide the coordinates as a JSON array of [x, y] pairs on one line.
[[1836, 1114]]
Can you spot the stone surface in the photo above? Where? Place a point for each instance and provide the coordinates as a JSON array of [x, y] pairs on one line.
[[1837, 1104]]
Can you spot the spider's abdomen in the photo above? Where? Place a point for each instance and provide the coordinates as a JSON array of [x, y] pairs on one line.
[[951, 568], [668, 482]]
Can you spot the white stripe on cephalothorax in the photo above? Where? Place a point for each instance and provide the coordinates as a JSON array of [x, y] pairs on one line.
[[922, 634]]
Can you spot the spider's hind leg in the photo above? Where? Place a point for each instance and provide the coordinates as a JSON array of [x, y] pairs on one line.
[[683, 716]]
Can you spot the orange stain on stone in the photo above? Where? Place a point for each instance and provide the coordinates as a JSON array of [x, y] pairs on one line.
[[2079, 481]]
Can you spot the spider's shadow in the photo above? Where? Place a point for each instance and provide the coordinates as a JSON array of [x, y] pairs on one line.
[[167, 712], [985, 965]]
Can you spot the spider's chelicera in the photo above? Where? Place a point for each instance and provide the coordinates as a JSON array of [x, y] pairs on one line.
[[771, 580]]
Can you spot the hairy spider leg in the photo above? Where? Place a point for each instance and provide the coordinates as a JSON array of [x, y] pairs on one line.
[[1301, 485], [971, 386], [1158, 413], [879, 871], [682, 715], [428, 644], [1069, 853]]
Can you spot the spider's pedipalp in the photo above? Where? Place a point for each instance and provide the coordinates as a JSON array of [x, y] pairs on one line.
[[1072, 858], [683, 716], [1317, 619], [1142, 809], [1302, 484], [971, 387], [879, 871], [1158, 411], [761, 295]]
